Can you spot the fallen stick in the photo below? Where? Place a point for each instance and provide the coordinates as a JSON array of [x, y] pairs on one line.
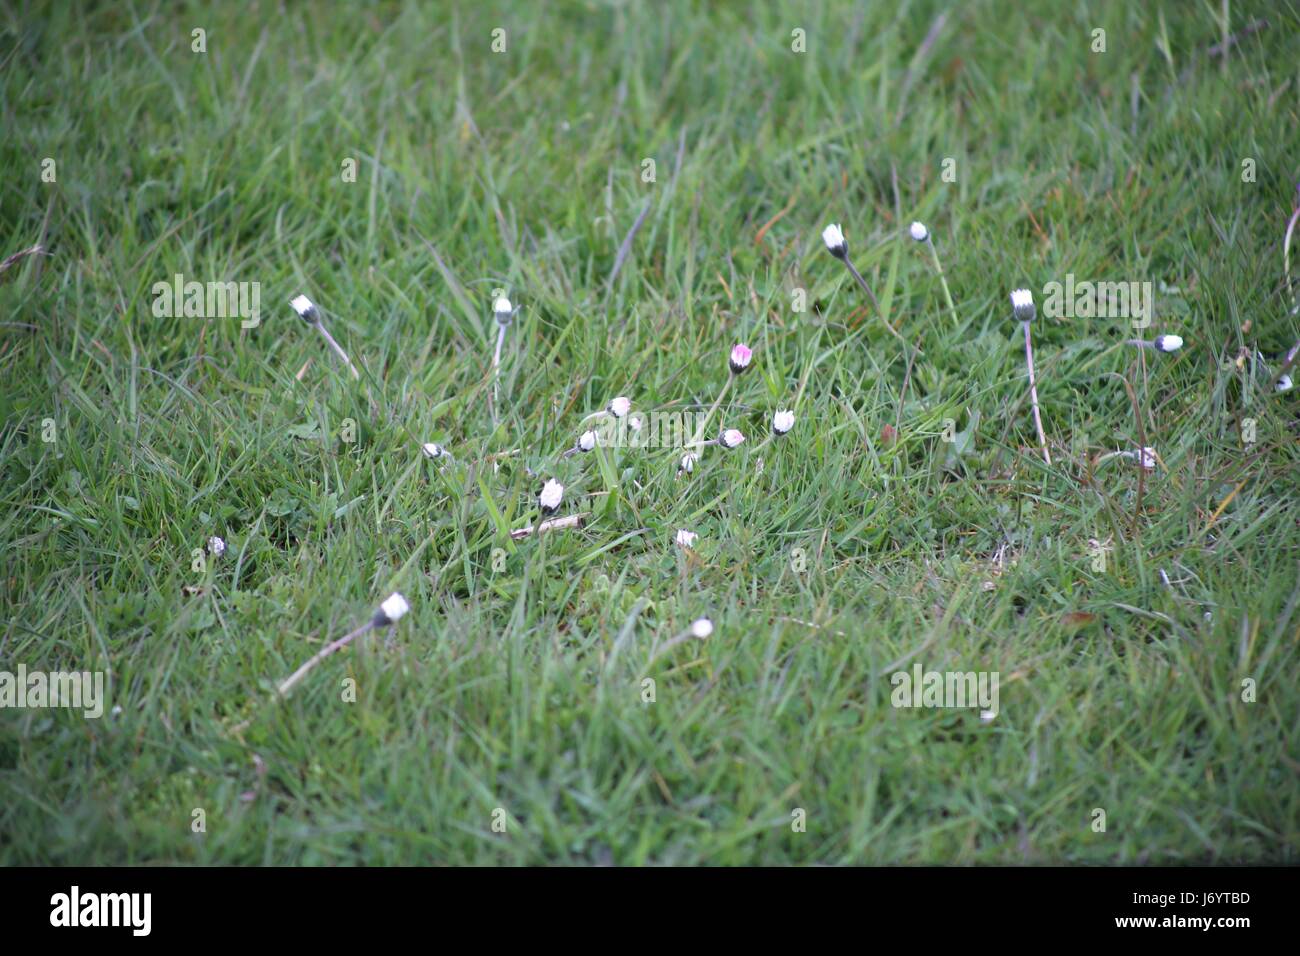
[[551, 524]]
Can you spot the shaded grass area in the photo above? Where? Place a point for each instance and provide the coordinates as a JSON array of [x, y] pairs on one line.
[[1123, 611]]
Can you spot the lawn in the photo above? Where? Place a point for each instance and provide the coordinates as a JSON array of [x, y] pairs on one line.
[[648, 185]]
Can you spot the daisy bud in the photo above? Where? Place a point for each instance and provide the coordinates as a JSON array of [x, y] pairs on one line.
[[919, 232], [782, 422], [216, 547], [432, 450], [634, 423], [1168, 343], [306, 309], [393, 608], [552, 493], [1148, 458], [1022, 304], [701, 627], [587, 441], [731, 438], [501, 308], [686, 539], [835, 242], [1284, 384], [740, 356], [620, 406], [688, 462]]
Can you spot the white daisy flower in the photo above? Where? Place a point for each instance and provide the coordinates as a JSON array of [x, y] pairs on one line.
[[305, 308], [431, 450], [701, 627], [731, 438], [1284, 384], [919, 232], [1147, 459], [686, 539], [782, 422], [393, 608], [1168, 343], [587, 441], [688, 461], [552, 494], [216, 546], [835, 243], [620, 406], [1022, 304]]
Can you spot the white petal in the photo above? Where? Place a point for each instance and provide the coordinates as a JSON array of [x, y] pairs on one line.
[[394, 606], [552, 494], [833, 237]]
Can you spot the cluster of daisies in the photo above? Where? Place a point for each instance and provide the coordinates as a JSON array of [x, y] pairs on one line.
[[551, 496], [1022, 309]]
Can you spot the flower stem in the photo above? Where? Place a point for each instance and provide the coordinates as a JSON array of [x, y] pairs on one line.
[[1033, 394], [876, 305], [289, 682], [703, 429], [943, 281], [338, 350], [496, 370]]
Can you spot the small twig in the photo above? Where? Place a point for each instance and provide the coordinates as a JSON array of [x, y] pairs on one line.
[[626, 248], [551, 524], [1223, 47], [10, 261]]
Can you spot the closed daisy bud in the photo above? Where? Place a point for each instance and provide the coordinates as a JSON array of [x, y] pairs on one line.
[[782, 422], [740, 356], [1147, 459], [634, 423], [431, 450], [688, 462], [919, 232], [306, 309], [502, 310], [1284, 384], [587, 441], [686, 539], [393, 609], [701, 627], [731, 438], [552, 494], [620, 406], [835, 242], [216, 546], [1022, 304], [1168, 343]]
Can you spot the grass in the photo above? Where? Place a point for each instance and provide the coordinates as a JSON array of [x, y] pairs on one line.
[[516, 681]]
